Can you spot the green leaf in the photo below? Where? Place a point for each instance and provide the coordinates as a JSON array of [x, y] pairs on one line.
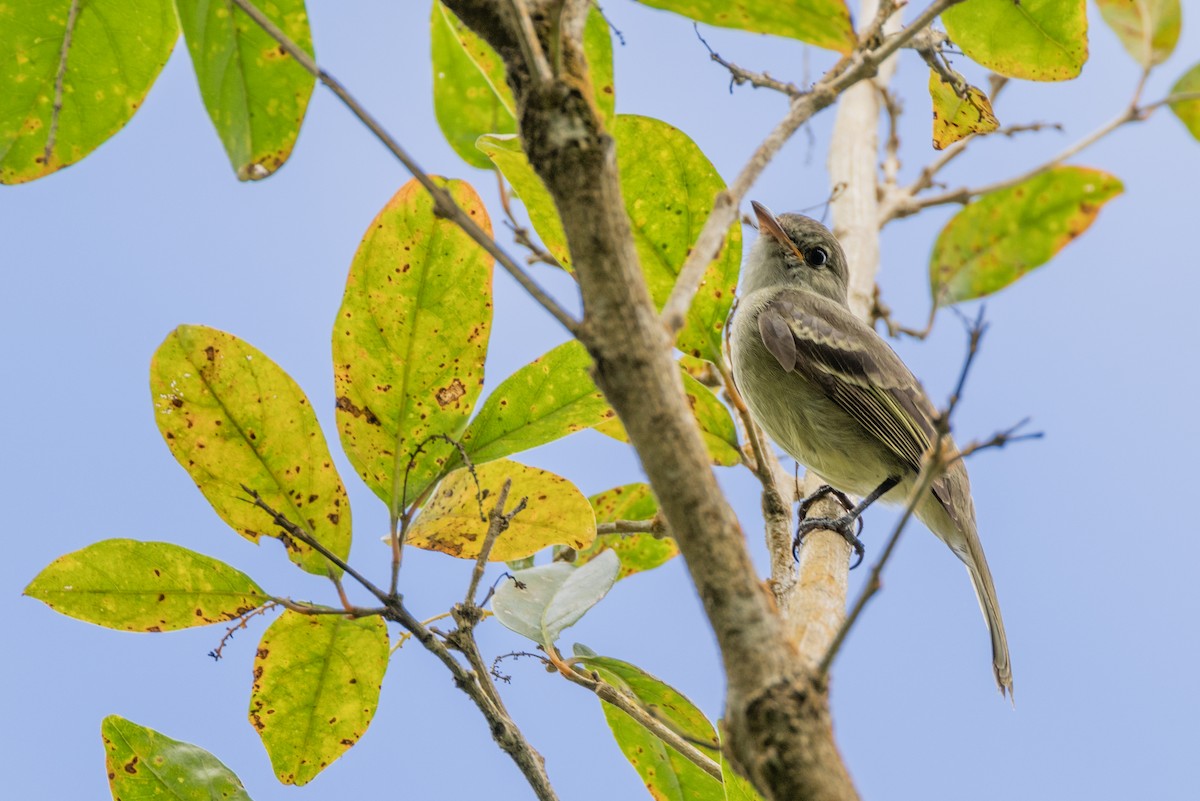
[[410, 341], [116, 51], [1005, 234], [597, 47], [231, 416], [1040, 40], [255, 93], [316, 686], [547, 399], [506, 153], [667, 774], [955, 117], [1149, 29], [737, 787], [145, 764], [145, 586], [541, 602], [716, 425], [470, 95], [824, 23], [637, 552], [1188, 111], [556, 513], [669, 188]]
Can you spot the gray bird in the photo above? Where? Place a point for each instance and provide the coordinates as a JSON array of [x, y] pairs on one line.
[[838, 399]]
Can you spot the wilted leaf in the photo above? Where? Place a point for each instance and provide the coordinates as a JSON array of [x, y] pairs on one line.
[[1039, 40], [1149, 29], [824, 23], [1005, 234], [556, 513], [231, 416], [1188, 111], [549, 398], [316, 686], [116, 51], [470, 95], [145, 764], [541, 602], [666, 773], [145, 586], [955, 117], [638, 551], [716, 426], [506, 153], [256, 94], [410, 340], [669, 188]]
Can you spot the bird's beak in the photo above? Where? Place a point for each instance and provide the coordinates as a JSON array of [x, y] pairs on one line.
[[767, 224]]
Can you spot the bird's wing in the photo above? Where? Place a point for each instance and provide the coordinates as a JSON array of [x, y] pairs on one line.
[[857, 370]]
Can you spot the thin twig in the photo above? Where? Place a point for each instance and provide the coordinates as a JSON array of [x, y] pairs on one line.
[[498, 522], [521, 233], [444, 203], [241, 621], [739, 75], [848, 71], [56, 109], [630, 706], [655, 525], [531, 47], [405, 636], [312, 542]]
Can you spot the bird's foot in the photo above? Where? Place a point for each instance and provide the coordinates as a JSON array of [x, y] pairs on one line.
[[844, 525]]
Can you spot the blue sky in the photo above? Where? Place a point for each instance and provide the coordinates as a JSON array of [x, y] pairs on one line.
[[1087, 531]]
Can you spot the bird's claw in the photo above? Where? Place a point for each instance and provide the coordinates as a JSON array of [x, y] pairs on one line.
[[843, 525]]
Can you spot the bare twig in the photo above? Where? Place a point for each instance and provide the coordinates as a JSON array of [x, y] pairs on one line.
[[312, 542], [444, 203], [239, 623], [498, 522], [848, 71], [405, 636], [655, 525], [739, 75], [531, 47], [881, 312], [56, 109]]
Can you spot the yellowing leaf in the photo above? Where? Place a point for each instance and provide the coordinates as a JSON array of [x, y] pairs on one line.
[[506, 153], [145, 764], [410, 340], [256, 94], [116, 50], [1005, 234], [1188, 111], [638, 551], [955, 117], [144, 586], [1039, 40], [556, 513], [824, 23], [232, 417], [1148, 29], [597, 48], [316, 686]]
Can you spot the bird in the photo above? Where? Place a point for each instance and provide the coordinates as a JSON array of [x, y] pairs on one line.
[[835, 396]]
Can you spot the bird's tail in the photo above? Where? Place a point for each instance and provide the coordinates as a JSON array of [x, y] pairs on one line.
[[985, 592]]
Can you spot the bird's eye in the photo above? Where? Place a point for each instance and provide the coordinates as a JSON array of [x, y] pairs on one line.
[[816, 256]]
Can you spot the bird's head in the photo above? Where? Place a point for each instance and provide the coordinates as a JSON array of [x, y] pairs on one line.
[[795, 251]]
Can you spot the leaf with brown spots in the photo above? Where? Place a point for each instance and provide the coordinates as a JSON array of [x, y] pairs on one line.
[[956, 117], [143, 763], [547, 399], [116, 51], [666, 773], [316, 687], [231, 416], [410, 341], [556, 513], [144, 586], [716, 424], [255, 93], [1005, 234], [637, 552]]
